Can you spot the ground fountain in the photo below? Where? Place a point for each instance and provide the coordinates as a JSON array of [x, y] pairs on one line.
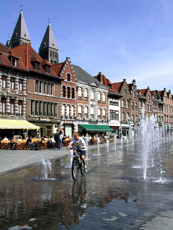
[[46, 169], [87, 140], [115, 142], [70, 156]]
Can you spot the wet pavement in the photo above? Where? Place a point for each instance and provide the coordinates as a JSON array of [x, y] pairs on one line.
[[112, 195]]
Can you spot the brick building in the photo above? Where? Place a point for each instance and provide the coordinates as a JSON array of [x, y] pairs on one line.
[[114, 108]]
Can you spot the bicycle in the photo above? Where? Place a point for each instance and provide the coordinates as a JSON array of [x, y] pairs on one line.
[[77, 165]]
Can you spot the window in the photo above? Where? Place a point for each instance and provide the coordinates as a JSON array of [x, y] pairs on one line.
[[68, 92], [55, 110], [99, 113], [40, 112], [40, 86], [3, 105], [72, 111], [68, 111], [92, 112], [36, 107], [92, 95], [68, 77], [12, 107], [98, 96], [4, 82], [148, 97], [79, 92], [127, 104], [122, 103], [47, 68], [32, 107], [20, 105], [104, 97], [80, 111], [114, 102], [73, 93], [104, 114], [114, 115], [63, 91], [45, 109], [85, 93], [128, 116], [12, 80], [48, 109], [63, 110], [37, 65], [14, 62], [86, 112], [48, 88], [147, 108], [51, 89], [125, 92], [132, 105], [20, 85], [123, 116], [36, 86], [136, 106]]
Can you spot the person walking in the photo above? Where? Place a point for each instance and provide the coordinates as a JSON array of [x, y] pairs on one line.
[[56, 137]]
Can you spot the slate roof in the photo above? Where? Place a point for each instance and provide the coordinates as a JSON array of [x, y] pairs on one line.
[[48, 39], [84, 77], [20, 30]]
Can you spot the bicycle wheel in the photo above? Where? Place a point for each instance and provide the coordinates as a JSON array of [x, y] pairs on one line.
[[75, 169], [82, 168]]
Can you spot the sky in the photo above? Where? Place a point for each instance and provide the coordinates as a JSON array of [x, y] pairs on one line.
[[123, 39]]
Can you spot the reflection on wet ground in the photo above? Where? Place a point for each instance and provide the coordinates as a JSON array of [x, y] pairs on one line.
[[113, 195]]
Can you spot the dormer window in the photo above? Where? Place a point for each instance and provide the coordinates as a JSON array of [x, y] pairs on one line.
[[47, 68], [14, 62], [37, 65]]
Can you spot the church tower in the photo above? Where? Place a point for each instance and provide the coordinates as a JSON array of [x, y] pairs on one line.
[[48, 48], [20, 34]]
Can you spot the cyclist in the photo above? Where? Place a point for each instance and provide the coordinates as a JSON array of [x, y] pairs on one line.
[[80, 145]]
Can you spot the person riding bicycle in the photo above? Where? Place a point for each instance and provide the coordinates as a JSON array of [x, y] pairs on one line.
[[79, 145]]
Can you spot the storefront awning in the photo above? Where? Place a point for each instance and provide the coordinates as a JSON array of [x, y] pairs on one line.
[[16, 124], [100, 128], [90, 127]]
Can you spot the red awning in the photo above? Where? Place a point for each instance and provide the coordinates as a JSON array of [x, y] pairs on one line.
[[115, 127]]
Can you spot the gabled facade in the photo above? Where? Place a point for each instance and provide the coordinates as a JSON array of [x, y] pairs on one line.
[[43, 91], [91, 100], [145, 97], [65, 72], [114, 108]]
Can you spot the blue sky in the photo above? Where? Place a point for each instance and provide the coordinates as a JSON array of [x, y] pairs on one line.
[[131, 39]]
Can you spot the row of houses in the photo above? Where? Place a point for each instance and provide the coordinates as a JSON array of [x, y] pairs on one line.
[[48, 95]]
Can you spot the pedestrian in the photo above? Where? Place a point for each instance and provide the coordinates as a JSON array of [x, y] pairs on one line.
[[56, 137], [60, 138]]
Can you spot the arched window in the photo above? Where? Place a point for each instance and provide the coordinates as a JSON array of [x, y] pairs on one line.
[[12, 80], [136, 106], [3, 105], [63, 91], [104, 114], [104, 97], [98, 96], [20, 87], [4, 82], [72, 111], [86, 112], [20, 107], [127, 104], [99, 113], [80, 111], [68, 111], [79, 92], [63, 110], [92, 95], [12, 106], [68, 92], [85, 93], [92, 112], [68, 77], [123, 116], [128, 116], [132, 105], [122, 103], [73, 93], [125, 92]]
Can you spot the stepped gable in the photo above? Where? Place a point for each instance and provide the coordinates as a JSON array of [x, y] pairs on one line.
[[30, 56], [6, 56]]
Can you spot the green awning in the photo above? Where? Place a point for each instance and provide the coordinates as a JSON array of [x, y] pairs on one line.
[[100, 128], [90, 127]]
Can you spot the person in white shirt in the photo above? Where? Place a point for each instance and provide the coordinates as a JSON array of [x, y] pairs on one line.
[[80, 145]]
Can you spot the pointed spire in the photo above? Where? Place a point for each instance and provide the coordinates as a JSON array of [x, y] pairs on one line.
[[48, 48], [20, 34], [8, 43], [48, 39]]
